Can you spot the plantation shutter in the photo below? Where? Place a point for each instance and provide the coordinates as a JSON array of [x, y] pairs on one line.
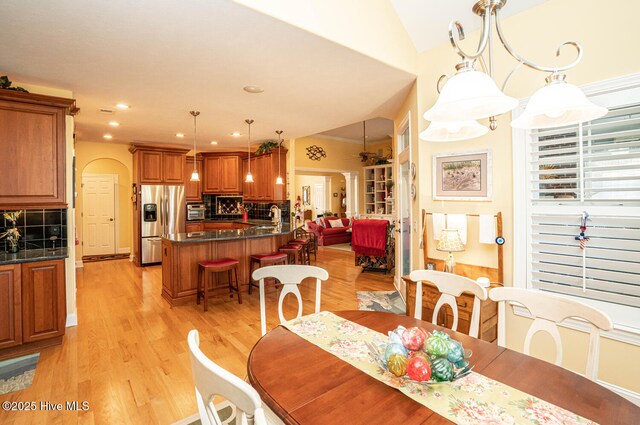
[[594, 167]]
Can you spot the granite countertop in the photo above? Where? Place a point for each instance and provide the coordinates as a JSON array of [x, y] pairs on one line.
[[260, 229], [32, 255]]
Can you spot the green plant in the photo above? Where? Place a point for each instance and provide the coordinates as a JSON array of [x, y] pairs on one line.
[[390, 184], [266, 146], [5, 83]]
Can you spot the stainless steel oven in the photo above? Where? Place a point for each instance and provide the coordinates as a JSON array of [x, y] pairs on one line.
[[195, 212]]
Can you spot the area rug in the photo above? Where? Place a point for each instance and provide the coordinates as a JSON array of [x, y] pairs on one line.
[[389, 301], [17, 374], [340, 246], [226, 413]]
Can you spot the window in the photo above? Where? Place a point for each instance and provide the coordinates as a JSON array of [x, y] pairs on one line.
[[593, 167]]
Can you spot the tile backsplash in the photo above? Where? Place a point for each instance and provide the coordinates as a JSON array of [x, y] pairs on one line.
[[37, 227]]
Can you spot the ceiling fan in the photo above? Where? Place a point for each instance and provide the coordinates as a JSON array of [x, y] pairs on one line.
[[370, 158]]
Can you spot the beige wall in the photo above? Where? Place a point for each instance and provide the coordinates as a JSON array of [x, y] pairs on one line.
[[107, 158], [535, 33]]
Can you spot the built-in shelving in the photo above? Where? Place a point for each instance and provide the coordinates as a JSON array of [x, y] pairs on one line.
[[378, 190]]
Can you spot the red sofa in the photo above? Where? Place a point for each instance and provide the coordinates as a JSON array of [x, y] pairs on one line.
[[328, 235]]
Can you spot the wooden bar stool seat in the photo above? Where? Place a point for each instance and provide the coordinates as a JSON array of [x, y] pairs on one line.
[[205, 268], [263, 260], [293, 252]]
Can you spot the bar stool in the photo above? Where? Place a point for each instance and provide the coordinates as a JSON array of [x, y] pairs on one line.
[[205, 268], [312, 247], [305, 257], [264, 260], [292, 252]]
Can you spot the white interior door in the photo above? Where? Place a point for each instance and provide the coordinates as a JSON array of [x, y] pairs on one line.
[[98, 214], [403, 204], [319, 198]]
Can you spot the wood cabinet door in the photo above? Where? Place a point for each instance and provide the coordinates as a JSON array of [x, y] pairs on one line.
[[150, 166], [247, 188], [44, 310], [33, 147], [173, 165], [10, 309], [230, 174], [263, 172], [211, 181], [194, 227], [193, 190], [167, 269]]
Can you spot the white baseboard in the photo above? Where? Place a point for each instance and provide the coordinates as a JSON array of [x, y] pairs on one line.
[[126, 250], [632, 396], [132, 258], [72, 320], [79, 264]]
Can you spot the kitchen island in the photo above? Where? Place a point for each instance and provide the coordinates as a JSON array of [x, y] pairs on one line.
[[182, 252]]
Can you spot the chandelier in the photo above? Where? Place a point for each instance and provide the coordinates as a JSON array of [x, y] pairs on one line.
[[470, 95]]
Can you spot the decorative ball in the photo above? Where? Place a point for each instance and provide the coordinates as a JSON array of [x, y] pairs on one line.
[[418, 369], [456, 352], [394, 349], [437, 344], [413, 338], [397, 364], [442, 369], [395, 336]]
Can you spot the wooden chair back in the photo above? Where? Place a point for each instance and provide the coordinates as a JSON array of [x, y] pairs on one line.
[[548, 310], [450, 286], [212, 380], [290, 277]]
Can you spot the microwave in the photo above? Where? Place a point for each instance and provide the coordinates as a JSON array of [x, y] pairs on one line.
[[196, 212]]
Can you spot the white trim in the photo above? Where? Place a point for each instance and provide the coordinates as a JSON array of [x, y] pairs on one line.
[[337, 139], [72, 320], [131, 258], [325, 170], [125, 250], [406, 155], [79, 264], [632, 396]]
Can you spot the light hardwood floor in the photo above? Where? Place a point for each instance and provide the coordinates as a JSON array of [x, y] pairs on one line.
[[128, 356]]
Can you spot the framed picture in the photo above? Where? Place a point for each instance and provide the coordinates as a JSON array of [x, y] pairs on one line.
[[464, 176]]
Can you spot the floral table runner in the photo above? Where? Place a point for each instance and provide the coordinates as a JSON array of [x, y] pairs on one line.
[[470, 400]]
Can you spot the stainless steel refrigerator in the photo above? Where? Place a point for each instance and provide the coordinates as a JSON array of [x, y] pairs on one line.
[[163, 213]]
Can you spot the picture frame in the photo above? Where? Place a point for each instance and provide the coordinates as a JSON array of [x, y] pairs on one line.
[[462, 176]]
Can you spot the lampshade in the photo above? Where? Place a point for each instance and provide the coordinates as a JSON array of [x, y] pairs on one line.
[[450, 241], [469, 95], [451, 131], [279, 180], [194, 176], [558, 104], [249, 178]]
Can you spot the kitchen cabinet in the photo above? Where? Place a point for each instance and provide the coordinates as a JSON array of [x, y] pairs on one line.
[[265, 170], [33, 137], [430, 295], [194, 227], [44, 310], [221, 173], [193, 190], [10, 306], [159, 165]]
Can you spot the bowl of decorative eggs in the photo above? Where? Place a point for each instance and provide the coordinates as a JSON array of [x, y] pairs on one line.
[[415, 355]]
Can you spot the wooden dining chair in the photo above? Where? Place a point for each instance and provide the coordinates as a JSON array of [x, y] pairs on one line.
[[290, 277], [450, 286], [548, 310], [212, 380]]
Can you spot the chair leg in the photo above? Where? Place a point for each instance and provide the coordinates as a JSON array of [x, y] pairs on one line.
[[205, 283], [198, 285], [235, 271], [251, 262], [230, 287]]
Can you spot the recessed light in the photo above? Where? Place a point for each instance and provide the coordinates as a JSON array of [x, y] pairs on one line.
[[114, 123], [213, 142], [108, 136], [180, 135], [122, 106], [253, 89], [236, 134]]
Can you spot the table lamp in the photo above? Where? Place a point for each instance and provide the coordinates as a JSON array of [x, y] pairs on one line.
[[450, 242]]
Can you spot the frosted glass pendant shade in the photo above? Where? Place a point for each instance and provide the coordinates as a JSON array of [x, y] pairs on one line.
[[195, 177], [452, 131], [249, 178], [279, 180], [470, 95], [556, 105]]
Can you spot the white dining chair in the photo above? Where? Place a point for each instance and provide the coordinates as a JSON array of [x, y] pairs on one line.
[[211, 380], [290, 277], [450, 286], [548, 310]]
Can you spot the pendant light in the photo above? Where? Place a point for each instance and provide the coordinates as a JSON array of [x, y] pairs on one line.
[[452, 131], [279, 178], [249, 177], [195, 177]]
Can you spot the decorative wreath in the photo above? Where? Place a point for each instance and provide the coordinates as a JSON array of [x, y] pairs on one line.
[[316, 153]]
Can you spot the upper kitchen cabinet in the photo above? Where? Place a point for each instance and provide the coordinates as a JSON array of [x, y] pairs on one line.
[[193, 190], [159, 164], [32, 140], [265, 171], [222, 173]]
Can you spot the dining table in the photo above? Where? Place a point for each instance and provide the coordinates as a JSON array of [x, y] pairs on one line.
[[303, 383]]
